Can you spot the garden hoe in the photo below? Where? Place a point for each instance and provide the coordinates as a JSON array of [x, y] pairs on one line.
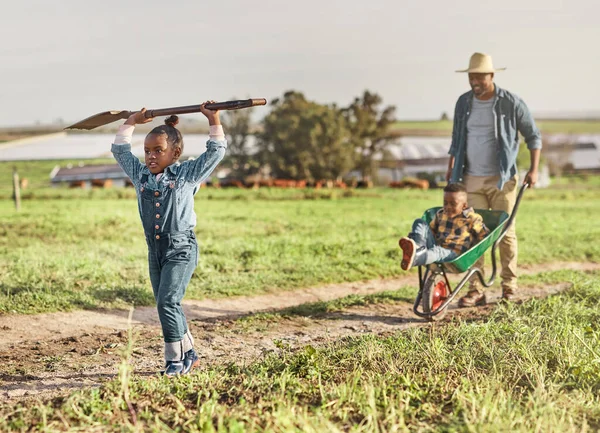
[[107, 117]]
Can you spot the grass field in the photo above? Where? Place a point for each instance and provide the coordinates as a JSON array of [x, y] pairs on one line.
[[546, 126], [526, 367], [533, 367], [85, 249]]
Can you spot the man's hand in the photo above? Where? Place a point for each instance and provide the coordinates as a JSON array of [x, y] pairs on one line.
[[531, 178], [448, 174], [532, 175], [138, 118]]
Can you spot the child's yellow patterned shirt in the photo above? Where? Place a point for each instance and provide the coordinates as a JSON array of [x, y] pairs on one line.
[[459, 233]]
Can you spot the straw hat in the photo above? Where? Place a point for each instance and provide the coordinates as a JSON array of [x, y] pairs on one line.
[[482, 64]]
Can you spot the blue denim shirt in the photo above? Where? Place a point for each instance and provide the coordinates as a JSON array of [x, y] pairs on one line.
[[511, 116], [167, 205]]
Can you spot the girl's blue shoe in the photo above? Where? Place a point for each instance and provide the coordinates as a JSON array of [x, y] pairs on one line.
[[190, 361], [173, 368]]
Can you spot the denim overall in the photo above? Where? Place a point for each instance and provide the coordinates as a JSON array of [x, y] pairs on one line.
[[166, 208]]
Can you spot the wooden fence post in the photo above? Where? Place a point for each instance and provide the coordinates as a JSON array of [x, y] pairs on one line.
[[16, 189]]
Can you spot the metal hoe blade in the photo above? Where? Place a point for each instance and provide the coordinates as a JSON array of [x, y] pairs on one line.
[[100, 119]]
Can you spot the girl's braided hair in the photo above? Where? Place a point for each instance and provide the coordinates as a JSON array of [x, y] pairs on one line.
[[174, 137]]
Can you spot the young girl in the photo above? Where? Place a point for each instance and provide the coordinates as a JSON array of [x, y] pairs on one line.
[[165, 190]]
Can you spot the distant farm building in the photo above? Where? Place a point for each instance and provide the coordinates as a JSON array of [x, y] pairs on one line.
[[572, 153], [86, 176], [411, 157], [427, 158]]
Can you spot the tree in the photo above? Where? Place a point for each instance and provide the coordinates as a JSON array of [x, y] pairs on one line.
[[237, 125], [369, 128], [302, 139]]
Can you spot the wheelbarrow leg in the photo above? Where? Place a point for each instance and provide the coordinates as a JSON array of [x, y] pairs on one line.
[[422, 278]]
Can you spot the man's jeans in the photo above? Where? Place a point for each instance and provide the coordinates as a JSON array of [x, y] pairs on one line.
[[423, 236]]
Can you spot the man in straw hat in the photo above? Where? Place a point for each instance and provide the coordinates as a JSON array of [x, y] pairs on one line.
[[483, 155]]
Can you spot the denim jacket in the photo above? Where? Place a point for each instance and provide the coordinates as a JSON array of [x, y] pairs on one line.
[[167, 205], [511, 116]]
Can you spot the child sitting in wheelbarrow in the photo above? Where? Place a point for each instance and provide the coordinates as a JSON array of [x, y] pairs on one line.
[[455, 228]]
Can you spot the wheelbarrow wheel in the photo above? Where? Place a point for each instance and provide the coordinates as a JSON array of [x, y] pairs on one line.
[[435, 292]]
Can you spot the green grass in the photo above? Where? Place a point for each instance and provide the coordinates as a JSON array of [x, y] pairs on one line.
[[546, 126], [576, 181], [569, 126], [419, 127], [533, 367], [89, 251]]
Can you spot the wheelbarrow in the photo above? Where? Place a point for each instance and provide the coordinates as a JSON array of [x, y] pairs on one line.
[[435, 290]]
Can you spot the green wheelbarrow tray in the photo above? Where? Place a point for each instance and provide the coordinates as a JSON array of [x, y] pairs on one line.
[[494, 220], [435, 291]]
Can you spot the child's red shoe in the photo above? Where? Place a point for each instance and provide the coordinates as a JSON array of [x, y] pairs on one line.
[[409, 247]]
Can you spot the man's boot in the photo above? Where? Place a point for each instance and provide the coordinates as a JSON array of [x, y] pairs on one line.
[[473, 298], [508, 294]]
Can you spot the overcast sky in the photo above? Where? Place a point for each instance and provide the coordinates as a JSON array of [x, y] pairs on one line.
[[69, 59]]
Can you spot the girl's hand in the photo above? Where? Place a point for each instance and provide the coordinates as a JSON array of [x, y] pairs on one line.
[[211, 115], [138, 118]]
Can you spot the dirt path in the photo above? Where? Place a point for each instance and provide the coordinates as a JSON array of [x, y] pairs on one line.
[[52, 354], [40, 327]]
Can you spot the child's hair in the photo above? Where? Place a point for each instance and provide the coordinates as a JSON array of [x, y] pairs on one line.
[[174, 137], [455, 187]]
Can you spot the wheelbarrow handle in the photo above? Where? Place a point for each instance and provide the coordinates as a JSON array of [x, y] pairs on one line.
[[515, 208]]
